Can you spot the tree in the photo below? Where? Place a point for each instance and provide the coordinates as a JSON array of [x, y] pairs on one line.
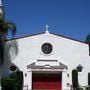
[[5, 26]]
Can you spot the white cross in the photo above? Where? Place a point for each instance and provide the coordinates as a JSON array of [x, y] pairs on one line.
[[47, 27]]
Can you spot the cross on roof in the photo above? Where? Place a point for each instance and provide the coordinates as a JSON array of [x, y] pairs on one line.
[[47, 28]]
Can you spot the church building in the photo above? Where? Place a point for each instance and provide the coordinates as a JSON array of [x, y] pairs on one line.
[[47, 60]]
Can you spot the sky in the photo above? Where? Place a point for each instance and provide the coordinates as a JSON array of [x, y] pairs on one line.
[[70, 18]]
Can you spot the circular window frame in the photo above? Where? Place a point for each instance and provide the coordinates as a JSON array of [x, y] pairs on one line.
[[82, 69], [46, 48], [13, 68]]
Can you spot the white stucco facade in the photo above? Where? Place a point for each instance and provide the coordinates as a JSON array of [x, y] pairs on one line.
[[68, 52]]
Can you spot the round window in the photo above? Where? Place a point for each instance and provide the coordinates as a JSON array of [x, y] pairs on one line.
[[47, 48], [79, 68], [13, 68]]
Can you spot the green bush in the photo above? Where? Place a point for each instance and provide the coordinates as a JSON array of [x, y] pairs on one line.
[[88, 79], [75, 79], [87, 88], [13, 82]]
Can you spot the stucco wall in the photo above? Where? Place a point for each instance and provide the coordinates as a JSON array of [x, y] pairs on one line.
[[67, 51]]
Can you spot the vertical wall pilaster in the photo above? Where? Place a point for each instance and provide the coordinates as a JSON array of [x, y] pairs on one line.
[[29, 80], [65, 81]]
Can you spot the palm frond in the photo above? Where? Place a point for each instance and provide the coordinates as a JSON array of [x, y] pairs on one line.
[[5, 26], [12, 27]]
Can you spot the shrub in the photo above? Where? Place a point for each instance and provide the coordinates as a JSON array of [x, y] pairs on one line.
[[88, 79], [75, 79], [13, 82]]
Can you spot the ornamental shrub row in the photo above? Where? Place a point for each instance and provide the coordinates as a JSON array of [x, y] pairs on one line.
[[13, 82]]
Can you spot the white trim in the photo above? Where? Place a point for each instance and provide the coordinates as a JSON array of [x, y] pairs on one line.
[[40, 70]]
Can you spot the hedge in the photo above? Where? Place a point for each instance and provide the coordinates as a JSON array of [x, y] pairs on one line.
[[13, 82]]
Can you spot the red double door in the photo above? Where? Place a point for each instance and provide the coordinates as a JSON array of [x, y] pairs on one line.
[[47, 81]]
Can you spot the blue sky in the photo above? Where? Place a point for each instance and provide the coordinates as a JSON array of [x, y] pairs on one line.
[[66, 17]]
